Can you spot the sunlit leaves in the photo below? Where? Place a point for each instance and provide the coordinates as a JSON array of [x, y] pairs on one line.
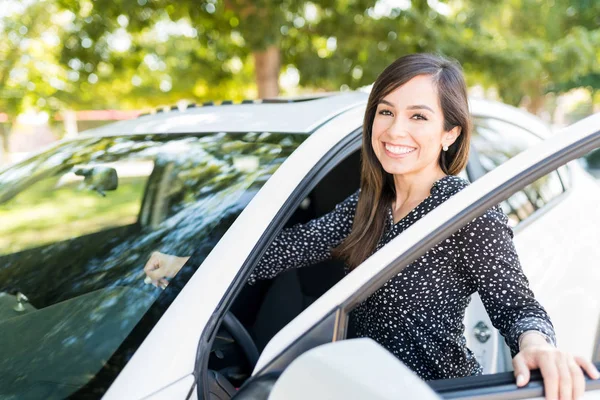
[[68, 54]]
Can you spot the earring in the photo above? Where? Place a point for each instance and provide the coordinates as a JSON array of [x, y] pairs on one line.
[[445, 148]]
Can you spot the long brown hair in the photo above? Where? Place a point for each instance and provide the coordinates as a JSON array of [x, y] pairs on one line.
[[377, 186]]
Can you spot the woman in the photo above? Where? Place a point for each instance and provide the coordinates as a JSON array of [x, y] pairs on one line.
[[415, 140]]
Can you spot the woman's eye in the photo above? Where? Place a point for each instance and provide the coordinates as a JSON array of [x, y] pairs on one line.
[[385, 112], [419, 117]]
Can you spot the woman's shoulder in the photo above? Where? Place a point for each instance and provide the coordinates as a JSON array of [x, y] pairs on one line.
[[492, 218], [449, 184], [349, 204], [491, 222]]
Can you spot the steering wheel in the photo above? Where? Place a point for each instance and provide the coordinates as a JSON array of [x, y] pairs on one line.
[[219, 388], [242, 337]]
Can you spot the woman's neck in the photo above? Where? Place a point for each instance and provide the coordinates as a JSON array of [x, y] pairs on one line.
[[412, 189]]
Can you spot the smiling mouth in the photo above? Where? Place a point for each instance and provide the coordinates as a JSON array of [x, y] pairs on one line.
[[399, 150]]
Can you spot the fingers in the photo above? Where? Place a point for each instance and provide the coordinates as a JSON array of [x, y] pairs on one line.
[[150, 264], [153, 267], [577, 378], [565, 387], [588, 367], [161, 266], [562, 373], [549, 369], [522, 374], [163, 283]]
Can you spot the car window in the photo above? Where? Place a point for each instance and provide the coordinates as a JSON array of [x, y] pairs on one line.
[[71, 262], [58, 207], [495, 142]]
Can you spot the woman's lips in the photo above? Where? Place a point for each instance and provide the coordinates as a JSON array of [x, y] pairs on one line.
[[398, 151]]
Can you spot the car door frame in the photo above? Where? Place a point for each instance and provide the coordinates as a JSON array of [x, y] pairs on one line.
[[336, 154], [326, 319]]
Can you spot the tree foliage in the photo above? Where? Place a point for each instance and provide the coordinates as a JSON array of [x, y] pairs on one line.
[[139, 53]]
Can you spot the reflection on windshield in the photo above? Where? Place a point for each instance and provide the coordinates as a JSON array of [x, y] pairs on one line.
[[72, 296]]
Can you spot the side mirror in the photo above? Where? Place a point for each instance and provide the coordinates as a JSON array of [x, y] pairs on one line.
[[100, 179], [349, 369]]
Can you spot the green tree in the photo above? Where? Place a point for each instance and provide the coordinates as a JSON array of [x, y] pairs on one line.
[[30, 74], [530, 48], [123, 53], [332, 43]]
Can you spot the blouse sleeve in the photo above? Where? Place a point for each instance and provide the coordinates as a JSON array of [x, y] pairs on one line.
[[306, 244], [491, 262]]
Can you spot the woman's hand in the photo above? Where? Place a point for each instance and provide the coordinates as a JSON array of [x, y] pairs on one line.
[[161, 266], [563, 377]]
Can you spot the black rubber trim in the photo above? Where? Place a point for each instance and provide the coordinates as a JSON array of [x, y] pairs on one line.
[[340, 151], [478, 382], [496, 386]]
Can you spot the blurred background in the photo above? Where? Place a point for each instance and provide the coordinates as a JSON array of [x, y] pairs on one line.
[[69, 65]]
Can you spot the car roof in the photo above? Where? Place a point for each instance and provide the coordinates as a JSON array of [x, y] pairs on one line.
[[288, 117], [301, 116], [481, 108]]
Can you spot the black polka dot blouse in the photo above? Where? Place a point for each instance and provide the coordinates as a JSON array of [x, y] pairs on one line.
[[418, 315]]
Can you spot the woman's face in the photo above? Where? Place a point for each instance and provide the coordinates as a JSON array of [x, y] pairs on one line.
[[408, 129]]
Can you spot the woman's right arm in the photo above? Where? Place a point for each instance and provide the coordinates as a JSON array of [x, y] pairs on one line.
[[306, 244], [294, 247]]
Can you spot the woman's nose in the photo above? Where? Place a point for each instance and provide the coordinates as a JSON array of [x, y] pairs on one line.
[[398, 128]]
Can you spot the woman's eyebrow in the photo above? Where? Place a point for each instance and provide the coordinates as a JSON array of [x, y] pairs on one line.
[[382, 101], [413, 107], [420, 107]]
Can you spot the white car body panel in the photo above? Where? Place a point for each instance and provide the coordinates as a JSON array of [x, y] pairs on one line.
[[485, 108], [177, 390], [241, 118], [169, 353], [354, 369], [385, 256], [563, 269]]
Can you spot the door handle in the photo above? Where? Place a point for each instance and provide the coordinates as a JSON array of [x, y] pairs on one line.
[[482, 332]]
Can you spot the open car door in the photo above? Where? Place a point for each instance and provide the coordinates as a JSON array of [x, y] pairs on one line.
[[326, 320]]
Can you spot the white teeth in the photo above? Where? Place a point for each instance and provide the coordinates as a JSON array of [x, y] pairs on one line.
[[398, 149]]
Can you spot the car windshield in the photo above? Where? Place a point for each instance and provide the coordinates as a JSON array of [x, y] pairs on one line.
[[79, 222]]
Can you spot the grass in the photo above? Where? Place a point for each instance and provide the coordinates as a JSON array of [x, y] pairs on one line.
[[43, 214]]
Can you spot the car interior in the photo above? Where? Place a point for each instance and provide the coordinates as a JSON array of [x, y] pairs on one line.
[[266, 307]]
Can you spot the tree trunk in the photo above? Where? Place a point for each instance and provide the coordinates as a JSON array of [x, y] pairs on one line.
[[536, 104], [267, 64]]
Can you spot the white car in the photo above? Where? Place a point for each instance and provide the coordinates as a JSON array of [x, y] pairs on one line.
[[80, 219]]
